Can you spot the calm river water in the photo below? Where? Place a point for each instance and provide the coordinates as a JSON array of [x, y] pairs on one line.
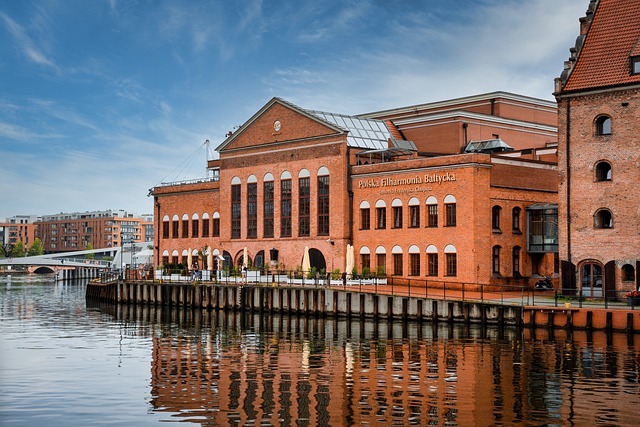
[[68, 363]]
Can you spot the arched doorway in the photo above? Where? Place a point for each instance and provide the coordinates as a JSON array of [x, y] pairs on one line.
[[316, 259], [591, 279]]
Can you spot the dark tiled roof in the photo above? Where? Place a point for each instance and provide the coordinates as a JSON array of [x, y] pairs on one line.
[[613, 37]]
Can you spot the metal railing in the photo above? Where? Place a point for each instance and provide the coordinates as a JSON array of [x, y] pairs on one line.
[[389, 285]]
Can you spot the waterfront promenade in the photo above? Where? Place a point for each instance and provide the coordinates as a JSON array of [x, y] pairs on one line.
[[529, 308]]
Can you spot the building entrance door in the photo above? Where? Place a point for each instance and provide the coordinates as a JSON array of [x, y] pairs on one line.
[[591, 280]]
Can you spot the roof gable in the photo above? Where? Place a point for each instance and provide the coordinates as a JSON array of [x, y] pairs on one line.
[[610, 42], [279, 121]]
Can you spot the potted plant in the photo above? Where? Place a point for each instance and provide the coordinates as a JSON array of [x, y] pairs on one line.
[[633, 298]]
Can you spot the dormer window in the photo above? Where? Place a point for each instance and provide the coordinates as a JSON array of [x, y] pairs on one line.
[[635, 65]]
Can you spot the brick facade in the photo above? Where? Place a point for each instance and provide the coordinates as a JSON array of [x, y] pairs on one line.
[[598, 98], [283, 142]]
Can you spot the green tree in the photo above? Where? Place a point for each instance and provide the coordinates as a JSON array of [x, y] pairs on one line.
[[36, 248], [89, 248], [18, 250]]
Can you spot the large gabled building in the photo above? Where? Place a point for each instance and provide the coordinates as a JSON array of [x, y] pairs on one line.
[[598, 98], [470, 208]]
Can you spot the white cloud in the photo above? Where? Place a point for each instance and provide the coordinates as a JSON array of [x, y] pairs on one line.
[[25, 44]]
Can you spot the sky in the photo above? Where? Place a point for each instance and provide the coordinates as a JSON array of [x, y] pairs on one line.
[[101, 100]]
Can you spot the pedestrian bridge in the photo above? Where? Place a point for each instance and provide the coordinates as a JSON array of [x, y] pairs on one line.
[[115, 257]]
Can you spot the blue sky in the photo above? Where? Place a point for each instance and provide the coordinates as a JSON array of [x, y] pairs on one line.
[[101, 100]]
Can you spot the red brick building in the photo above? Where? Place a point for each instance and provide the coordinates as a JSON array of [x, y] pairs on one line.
[[455, 208], [598, 98], [75, 231]]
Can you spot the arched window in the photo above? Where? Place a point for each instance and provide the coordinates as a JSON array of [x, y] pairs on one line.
[[432, 260], [195, 225], [285, 204], [432, 211], [495, 218], [515, 219], [216, 224], [323, 201], [450, 211], [365, 260], [515, 261], [628, 273], [414, 212], [185, 226], [175, 226], [236, 207], [396, 205], [603, 171], [365, 215], [452, 260], [414, 260], [603, 125], [205, 225], [268, 197], [496, 260], [165, 227], [396, 251], [603, 219], [381, 214], [381, 261]]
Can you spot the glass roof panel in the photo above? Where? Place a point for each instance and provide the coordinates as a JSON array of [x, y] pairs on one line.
[[363, 133]]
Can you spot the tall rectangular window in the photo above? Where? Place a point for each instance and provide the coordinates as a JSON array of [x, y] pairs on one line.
[[414, 213], [397, 217], [516, 261], [381, 263], [414, 259], [432, 213], [195, 227], [397, 264], [450, 212], [433, 264], [165, 229], [236, 211], [381, 218], [304, 207], [366, 262], [268, 209], [176, 229], [205, 227], [365, 220], [252, 210], [323, 205], [285, 208], [452, 265], [185, 228], [216, 227]]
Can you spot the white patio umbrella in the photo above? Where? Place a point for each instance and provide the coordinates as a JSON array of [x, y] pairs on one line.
[[145, 254], [209, 258], [349, 260], [306, 261], [244, 257], [189, 259]]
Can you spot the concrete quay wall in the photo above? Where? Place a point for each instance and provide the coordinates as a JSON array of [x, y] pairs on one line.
[[345, 303]]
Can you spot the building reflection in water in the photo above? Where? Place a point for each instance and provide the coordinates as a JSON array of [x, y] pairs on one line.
[[217, 368]]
